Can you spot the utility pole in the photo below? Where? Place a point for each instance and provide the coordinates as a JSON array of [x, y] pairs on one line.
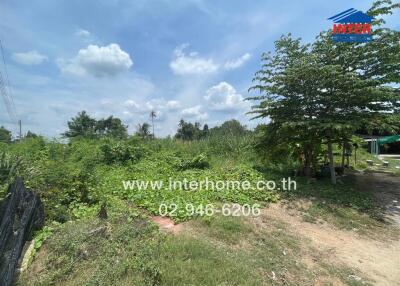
[[153, 115], [20, 129]]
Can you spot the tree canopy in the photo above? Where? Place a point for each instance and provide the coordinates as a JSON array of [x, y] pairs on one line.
[[83, 125], [189, 131]]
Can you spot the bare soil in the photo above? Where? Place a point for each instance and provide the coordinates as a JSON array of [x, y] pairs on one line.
[[386, 189], [377, 260], [166, 224]]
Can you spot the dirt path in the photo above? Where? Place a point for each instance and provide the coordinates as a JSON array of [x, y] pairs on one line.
[[386, 189], [166, 224], [379, 261]]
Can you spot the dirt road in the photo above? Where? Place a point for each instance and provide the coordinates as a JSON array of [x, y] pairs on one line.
[[377, 260]]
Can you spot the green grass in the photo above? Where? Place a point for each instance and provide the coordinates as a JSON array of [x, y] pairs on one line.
[[129, 250], [194, 261], [227, 229]]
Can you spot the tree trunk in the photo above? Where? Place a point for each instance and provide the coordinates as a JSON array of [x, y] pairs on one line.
[[307, 164], [331, 162], [355, 157]]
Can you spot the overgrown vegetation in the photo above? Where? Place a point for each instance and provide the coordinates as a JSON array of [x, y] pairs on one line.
[[129, 250], [87, 172], [74, 179]]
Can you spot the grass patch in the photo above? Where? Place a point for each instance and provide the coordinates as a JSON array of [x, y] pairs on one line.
[[126, 251], [195, 261], [225, 228]]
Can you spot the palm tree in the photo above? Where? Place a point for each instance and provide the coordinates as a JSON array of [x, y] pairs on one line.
[[153, 115]]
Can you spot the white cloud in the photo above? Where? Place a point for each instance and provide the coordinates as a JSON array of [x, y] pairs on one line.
[[194, 113], [98, 61], [162, 108], [131, 103], [82, 33], [236, 63], [173, 105], [192, 63], [29, 58], [224, 97]]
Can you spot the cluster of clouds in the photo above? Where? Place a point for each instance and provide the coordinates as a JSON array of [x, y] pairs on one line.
[[224, 97], [195, 113], [183, 64], [220, 98], [105, 62], [98, 61], [162, 107], [110, 60], [192, 63]]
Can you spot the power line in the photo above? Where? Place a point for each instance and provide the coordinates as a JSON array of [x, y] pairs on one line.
[[5, 89], [6, 99]]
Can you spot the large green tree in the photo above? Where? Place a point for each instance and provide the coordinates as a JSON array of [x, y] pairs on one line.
[[321, 93], [229, 128], [83, 125], [111, 126], [186, 130]]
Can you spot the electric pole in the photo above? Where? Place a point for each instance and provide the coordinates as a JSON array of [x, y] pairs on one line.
[[153, 115], [20, 129]]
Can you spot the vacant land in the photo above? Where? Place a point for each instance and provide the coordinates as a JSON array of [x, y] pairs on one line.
[[281, 246], [318, 233]]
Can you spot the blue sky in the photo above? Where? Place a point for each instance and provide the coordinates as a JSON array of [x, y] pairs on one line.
[[189, 59]]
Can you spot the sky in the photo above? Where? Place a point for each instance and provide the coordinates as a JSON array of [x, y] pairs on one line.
[[190, 59]]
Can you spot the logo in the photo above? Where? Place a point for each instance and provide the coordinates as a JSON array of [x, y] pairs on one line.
[[351, 26]]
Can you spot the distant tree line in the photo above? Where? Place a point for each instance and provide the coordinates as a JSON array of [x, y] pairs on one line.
[[188, 131], [6, 135], [83, 125]]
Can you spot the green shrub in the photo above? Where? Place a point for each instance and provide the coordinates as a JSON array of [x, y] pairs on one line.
[[198, 162], [121, 152]]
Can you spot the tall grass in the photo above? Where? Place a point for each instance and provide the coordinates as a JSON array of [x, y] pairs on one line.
[[237, 148]]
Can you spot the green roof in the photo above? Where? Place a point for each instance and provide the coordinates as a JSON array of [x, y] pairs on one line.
[[389, 139]]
